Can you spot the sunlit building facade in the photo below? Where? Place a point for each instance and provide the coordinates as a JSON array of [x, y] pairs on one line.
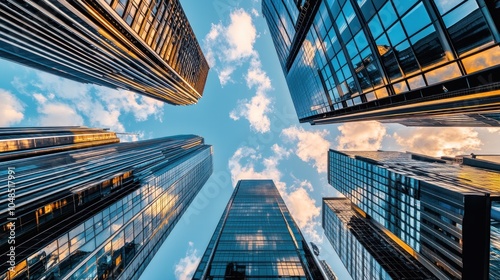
[[140, 45], [362, 247], [256, 238], [390, 60], [442, 211], [98, 212]]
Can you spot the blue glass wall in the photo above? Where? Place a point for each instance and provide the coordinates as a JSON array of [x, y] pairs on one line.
[[363, 51], [257, 238], [101, 212], [425, 204]]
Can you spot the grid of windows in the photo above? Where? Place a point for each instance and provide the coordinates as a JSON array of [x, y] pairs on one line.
[[146, 46], [362, 247], [420, 200], [100, 227], [370, 50], [257, 238]]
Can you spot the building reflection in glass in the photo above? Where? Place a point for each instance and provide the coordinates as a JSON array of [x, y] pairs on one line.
[[100, 212], [256, 238]]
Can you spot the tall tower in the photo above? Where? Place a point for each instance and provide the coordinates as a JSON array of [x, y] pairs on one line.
[[140, 45], [415, 62], [93, 211], [443, 212], [257, 238]]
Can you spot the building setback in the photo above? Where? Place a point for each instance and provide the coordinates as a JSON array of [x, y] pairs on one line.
[[97, 211], [441, 211], [414, 62], [256, 238], [144, 46]]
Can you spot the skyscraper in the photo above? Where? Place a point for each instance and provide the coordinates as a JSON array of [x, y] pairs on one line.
[[144, 46], [362, 247], [416, 62], [442, 211], [257, 238], [97, 212]]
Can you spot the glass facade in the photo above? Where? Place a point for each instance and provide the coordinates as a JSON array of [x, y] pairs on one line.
[[100, 212], [361, 56], [257, 238], [140, 45], [437, 209], [362, 247]]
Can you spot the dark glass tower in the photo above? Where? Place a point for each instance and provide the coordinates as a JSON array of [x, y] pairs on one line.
[[415, 62], [256, 238], [362, 247], [97, 212], [442, 211], [140, 45]]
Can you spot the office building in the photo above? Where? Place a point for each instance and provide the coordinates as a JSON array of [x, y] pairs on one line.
[[364, 251], [98, 211], [329, 274], [415, 62], [144, 46], [256, 238], [442, 211]]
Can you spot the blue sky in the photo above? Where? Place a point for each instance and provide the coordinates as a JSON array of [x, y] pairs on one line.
[[246, 113]]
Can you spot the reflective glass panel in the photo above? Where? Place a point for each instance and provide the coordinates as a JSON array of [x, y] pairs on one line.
[[406, 58], [482, 60], [445, 6], [403, 6], [444, 73], [375, 27], [416, 82], [467, 27], [416, 19], [396, 34], [387, 15], [427, 47]]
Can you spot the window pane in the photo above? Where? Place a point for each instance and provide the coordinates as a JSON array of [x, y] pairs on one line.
[[427, 47], [468, 30], [406, 58], [391, 65], [445, 6], [387, 15], [416, 82], [396, 34], [482, 60], [416, 19], [400, 87], [403, 6], [444, 73], [375, 27]]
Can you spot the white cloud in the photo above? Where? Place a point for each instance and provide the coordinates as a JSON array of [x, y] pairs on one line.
[[58, 114], [101, 106], [255, 12], [12, 109], [240, 34], [304, 211], [311, 145], [440, 141], [255, 110], [361, 136], [186, 267], [302, 207], [225, 75]]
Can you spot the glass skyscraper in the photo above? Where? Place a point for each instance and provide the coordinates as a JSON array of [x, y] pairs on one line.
[[415, 62], [140, 45], [97, 212], [362, 247], [256, 238], [442, 211]]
